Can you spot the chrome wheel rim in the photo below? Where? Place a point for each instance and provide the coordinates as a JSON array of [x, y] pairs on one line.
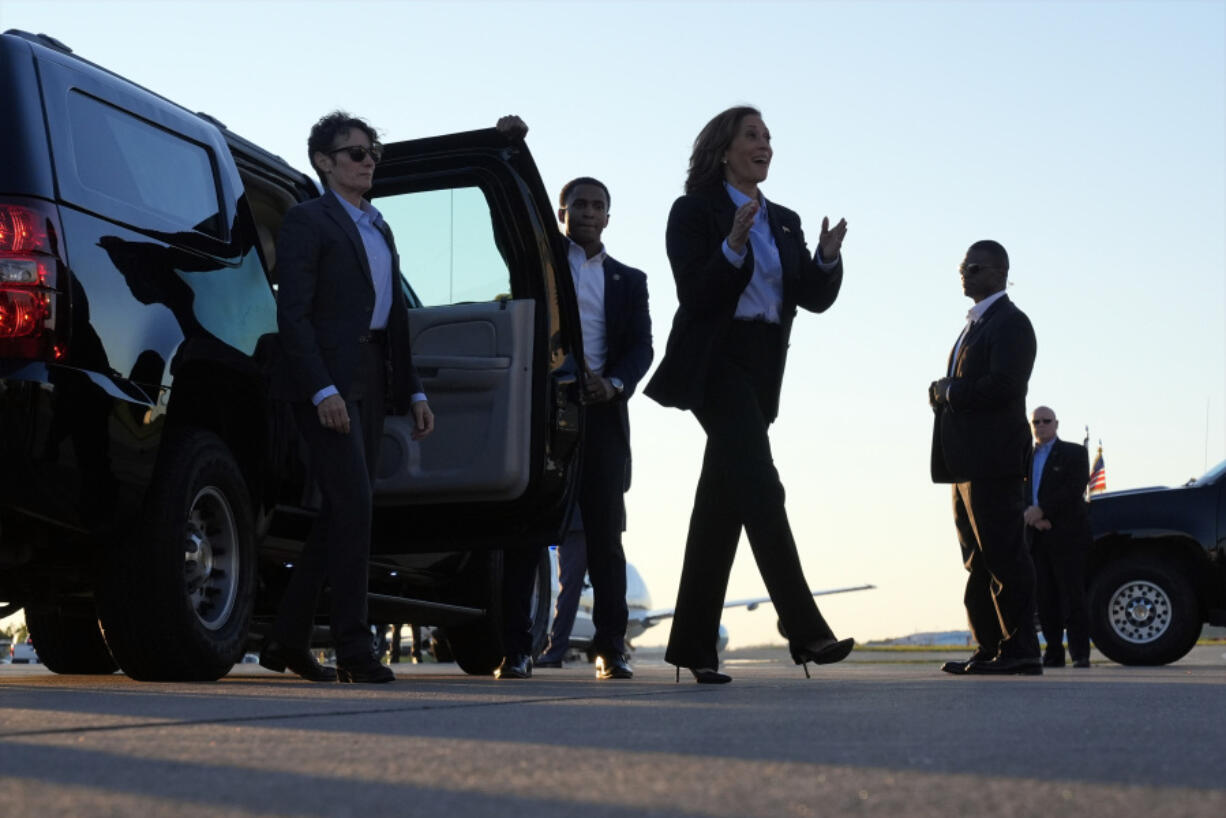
[[1140, 612], [210, 558]]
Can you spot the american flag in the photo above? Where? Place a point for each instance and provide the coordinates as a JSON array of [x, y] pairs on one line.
[[1098, 472]]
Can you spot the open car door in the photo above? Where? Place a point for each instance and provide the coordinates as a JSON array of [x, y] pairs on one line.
[[495, 333]]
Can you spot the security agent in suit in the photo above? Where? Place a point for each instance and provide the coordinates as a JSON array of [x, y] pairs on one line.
[[742, 269], [1058, 529], [617, 350], [344, 330], [981, 444]]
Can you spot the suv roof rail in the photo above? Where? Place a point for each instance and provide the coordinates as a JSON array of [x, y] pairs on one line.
[[42, 39], [210, 118]]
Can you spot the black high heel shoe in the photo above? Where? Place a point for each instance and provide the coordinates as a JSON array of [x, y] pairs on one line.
[[705, 676], [825, 652]]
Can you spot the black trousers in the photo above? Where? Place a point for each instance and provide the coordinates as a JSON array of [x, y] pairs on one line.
[[1060, 571], [338, 549], [602, 487], [739, 487], [999, 597], [518, 577]]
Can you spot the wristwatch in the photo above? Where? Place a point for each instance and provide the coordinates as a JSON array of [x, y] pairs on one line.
[[618, 386]]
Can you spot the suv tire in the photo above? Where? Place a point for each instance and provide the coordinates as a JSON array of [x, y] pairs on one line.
[[177, 599], [68, 640], [477, 646], [1143, 611]]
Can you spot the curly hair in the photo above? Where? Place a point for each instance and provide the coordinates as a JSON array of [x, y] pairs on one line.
[[325, 132]]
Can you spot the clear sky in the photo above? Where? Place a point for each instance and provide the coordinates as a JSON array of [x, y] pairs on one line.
[[1088, 137]]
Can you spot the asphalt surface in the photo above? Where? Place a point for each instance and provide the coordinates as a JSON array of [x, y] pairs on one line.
[[879, 734]]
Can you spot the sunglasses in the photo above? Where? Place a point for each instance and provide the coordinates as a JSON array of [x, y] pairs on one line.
[[973, 269], [358, 153], [1042, 421]]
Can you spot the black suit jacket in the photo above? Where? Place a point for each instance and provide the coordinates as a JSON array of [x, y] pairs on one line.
[[627, 333], [709, 287], [325, 299], [1062, 496], [982, 431]]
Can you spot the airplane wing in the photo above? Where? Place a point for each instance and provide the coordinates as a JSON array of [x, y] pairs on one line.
[[647, 619]]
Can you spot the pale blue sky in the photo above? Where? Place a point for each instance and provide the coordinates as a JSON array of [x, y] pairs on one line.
[[1089, 138]]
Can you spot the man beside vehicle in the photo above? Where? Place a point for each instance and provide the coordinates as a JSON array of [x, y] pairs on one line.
[[617, 349], [344, 329], [1058, 529], [981, 445]]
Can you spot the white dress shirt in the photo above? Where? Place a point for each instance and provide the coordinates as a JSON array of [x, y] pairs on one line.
[[588, 275]]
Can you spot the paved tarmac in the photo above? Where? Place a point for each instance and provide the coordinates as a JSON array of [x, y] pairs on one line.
[[879, 734]]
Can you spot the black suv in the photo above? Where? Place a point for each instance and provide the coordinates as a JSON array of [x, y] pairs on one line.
[[1158, 568], [152, 498]]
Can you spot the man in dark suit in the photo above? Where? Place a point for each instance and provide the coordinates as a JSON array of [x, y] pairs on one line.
[[981, 444], [344, 329], [1058, 528], [617, 351]]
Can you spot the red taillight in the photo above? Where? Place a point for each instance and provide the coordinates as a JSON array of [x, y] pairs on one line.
[[20, 231], [28, 264]]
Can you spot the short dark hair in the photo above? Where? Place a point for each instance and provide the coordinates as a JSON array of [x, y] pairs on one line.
[[324, 134], [583, 180], [996, 251], [706, 160]]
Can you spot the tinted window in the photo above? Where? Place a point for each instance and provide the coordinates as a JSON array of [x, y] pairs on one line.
[[446, 243], [140, 164]]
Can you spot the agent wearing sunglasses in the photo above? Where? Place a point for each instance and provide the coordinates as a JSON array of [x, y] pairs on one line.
[[1058, 530], [344, 330], [981, 444]]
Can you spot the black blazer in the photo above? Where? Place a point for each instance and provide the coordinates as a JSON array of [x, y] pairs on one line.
[[982, 431], [627, 330], [709, 287], [1062, 496], [325, 299]]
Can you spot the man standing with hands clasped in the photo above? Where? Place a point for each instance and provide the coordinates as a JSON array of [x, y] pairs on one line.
[[344, 328], [981, 445], [617, 350], [1058, 528]]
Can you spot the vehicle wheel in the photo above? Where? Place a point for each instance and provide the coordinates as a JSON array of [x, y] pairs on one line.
[[477, 646], [176, 603], [1143, 611], [438, 646], [69, 640]]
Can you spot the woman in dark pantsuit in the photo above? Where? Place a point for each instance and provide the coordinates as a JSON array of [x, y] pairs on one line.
[[742, 269]]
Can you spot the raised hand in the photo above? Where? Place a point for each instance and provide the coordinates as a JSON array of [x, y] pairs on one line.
[[741, 222], [830, 243]]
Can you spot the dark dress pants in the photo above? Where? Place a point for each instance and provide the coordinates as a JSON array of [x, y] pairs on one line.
[[572, 567], [999, 597], [1061, 594], [338, 549], [518, 579], [739, 487], [602, 502]]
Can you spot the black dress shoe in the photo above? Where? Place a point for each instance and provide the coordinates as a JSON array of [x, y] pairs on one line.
[[1053, 661], [613, 666], [276, 656], [363, 670], [1006, 665], [824, 652], [515, 666], [548, 663], [1084, 661], [959, 668]]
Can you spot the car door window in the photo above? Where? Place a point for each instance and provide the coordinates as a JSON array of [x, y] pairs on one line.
[[446, 243]]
